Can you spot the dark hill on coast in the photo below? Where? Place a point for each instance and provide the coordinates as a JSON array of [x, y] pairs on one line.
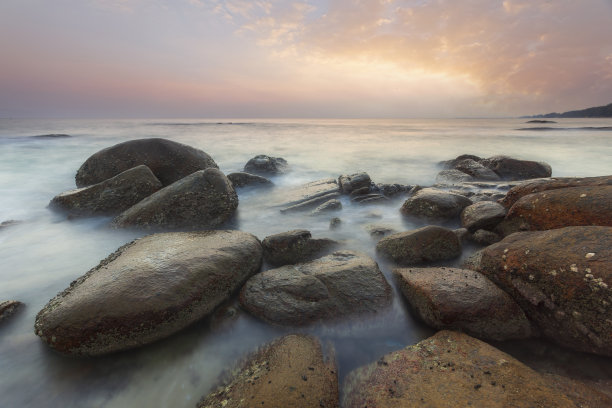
[[595, 112]]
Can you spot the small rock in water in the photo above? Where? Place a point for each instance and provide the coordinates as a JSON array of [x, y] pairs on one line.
[[295, 246], [379, 230], [8, 223], [335, 223], [9, 307], [433, 203], [331, 205], [266, 164], [357, 181]]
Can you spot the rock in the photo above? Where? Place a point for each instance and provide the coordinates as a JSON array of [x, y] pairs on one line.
[[450, 164], [52, 136], [390, 190], [513, 169], [330, 205], [482, 215], [356, 181], [266, 164], [545, 184], [564, 207], [335, 223], [308, 204], [379, 230], [329, 288], [427, 244], [204, 199], [169, 161], [476, 170], [295, 246], [452, 176], [369, 198], [241, 179], [435, 204], [148, 290], [8, 223], [462, 233], [562, 279], [464, 300], [483, 237], [289, 372], [307, 196], [8, 308], [109, 197], [582, 394], [450, 369]]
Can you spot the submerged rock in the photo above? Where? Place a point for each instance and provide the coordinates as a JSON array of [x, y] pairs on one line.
[[169, 161], [330, 205], [435, 204], [464, 300], [379, 230], [204, 199], [335, 223], [241, 179], [427, 244], [8, 223], [8, 308], [295, 246], [562, 279], [450, 369], [289, 372], [109, 197], [148, 290], [341, 284], [266, 164]]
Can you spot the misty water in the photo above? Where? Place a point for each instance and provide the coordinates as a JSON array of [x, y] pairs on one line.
[[45, 251]]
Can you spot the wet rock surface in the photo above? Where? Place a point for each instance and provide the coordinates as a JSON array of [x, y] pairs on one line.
[[295, 246], [341, 284], [463, 300], [498, 167], [169, 161], [242, 179], [289, 372], [8, 308], [562, 280], [109, 197], [450, 369], [204, 199], [435, 204], [263, 164], [307, 196], [148, 290], [482, 215], [427, 244]]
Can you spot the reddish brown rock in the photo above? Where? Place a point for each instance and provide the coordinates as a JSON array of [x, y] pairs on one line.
[[564, 207], [450, 369], [562, 279]]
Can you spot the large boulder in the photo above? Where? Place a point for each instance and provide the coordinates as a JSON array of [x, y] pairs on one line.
[[509, 168], [355, 182], [241, 179], [204, 199], [564, 207], [482, 215], [435, 204], [464, 300], [450, 369], [296, 246], [544, 184], [341, 284], [109, 197], [8, 308], [427, 244], [148, 290], [289, 372], [169, 161], [562, 279], [266, 164]]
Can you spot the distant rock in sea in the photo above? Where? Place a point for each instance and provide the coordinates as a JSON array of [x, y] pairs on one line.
[[595, 112], [51, 136]]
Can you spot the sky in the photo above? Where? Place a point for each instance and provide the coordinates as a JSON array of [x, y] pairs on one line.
[[303, 59]]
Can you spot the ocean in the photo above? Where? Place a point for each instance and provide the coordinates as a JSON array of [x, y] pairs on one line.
[[42, 253]]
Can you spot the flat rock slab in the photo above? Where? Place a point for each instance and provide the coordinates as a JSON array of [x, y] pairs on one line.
[[204, 199], [148, 290], [315, 193], [427, 244], [169, 161], [435, 204], [464, 300], [295, 246], [289, 372], [450, 369], [341, 284], [562, 279], [109, 197]]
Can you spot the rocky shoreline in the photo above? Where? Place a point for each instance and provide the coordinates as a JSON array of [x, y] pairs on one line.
[[543, 270]]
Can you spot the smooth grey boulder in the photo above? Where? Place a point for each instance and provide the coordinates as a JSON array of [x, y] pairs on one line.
[[109, 197], [266, 164], [464, 300], [169, 161], [204, 199], [433, 203], [148, 290], [295, 246], [242, 179], [341, 284], [482, 215], [452, 177], [354, 182], [427, 244]]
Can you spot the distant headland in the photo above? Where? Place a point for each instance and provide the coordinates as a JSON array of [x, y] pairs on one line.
[[595, 112]]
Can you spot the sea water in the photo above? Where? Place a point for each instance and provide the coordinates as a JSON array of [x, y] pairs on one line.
[[45, 251]]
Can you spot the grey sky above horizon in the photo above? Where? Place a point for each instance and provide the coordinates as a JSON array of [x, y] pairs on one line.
[[272, 58]]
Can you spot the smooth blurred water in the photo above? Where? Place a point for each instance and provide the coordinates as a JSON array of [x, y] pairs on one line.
[[41, 255]]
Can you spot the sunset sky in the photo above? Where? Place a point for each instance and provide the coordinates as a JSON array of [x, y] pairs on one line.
[[271, 58]]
